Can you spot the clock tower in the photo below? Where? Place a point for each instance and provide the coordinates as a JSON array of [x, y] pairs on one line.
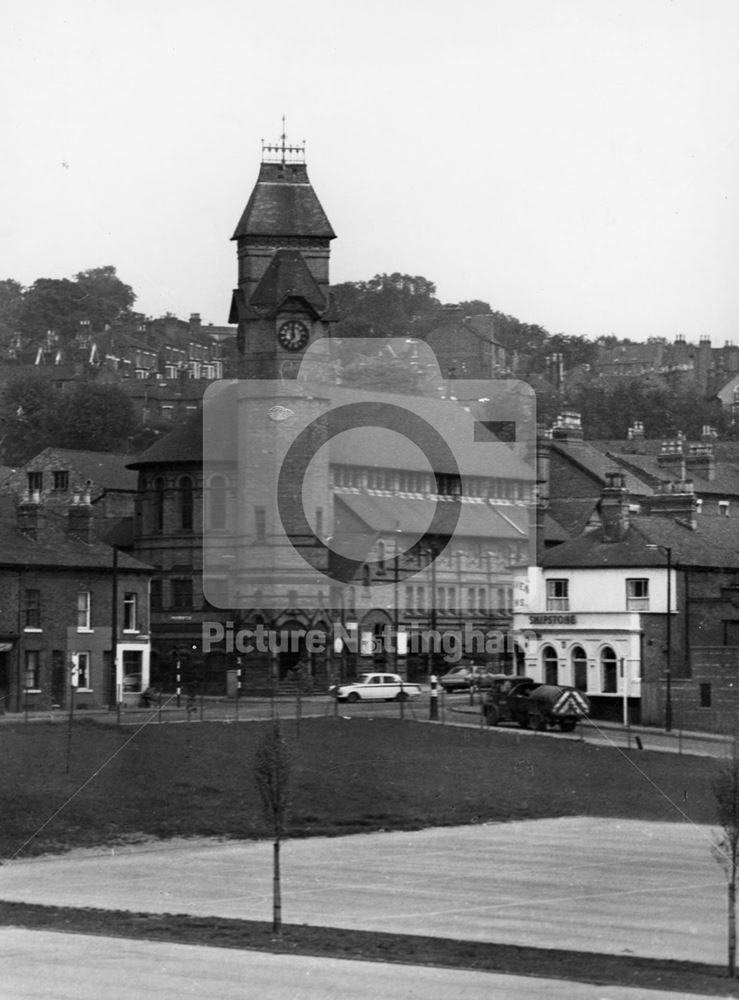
[[282, 302]]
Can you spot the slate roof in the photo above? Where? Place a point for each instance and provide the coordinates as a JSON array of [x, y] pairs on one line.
[[183, 445], [58, 549], [572, 513], [288, 276], [725, 481], [105, 469], [283, 203], [595, 462], [713, 544]]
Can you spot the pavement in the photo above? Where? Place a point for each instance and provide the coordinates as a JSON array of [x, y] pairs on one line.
[[35, 964]]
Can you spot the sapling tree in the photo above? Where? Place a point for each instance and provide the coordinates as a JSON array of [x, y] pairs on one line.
[[272, 769], [726, 846]]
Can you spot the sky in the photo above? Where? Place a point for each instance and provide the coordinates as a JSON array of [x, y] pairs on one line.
[[572, 162]]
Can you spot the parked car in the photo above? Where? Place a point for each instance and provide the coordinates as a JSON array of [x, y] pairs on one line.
[[375, 687], [466, 675]]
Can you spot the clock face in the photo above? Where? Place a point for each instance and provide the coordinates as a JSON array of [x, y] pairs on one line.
[[293, 335]]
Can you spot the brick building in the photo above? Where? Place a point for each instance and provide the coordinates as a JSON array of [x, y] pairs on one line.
[[56, 610]]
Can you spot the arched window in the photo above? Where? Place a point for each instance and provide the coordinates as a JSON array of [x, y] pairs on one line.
[[549, 660], [185, 503], [579, 669], [158, 504], [609, 671], [217, 502]]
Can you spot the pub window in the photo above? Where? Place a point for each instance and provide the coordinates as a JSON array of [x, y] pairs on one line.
[[549, 661], [579, 669], [637, 595], [558, 595], [609, 671]]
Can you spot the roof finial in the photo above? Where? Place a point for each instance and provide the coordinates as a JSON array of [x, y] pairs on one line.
[[283, 153]]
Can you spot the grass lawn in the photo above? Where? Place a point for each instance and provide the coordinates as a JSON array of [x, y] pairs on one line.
[[349, 776]]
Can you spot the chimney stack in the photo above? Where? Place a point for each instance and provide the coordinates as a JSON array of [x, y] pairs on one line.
[[80, 518], [614, 507], [676, 500], [636, 438], [28, 513], [568, 427], [671, 458], [701, 461]]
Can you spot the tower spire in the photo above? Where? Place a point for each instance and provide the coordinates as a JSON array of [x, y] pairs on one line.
[[283, 152]]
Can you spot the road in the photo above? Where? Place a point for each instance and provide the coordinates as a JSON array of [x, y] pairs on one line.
[[36, 964], [582, 883]]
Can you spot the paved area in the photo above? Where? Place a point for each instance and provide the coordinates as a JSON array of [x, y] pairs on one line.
[[591, 884], [35, 964]]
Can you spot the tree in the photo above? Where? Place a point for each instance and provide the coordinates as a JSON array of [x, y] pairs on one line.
[[97, 296], [95, 417], [28, 416], [726, 847], [35, 414], [105, 296], [272, 769], [11, 304]]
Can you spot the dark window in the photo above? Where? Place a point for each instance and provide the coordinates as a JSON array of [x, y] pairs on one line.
[[186, 503], [579, 669], [31, 675], [35, 481], [130, 616], [156, 594], [705, 693], [558, 595], [61, 480], [549, 657], [159, 504], [609, 672], [32, 609], [182, 592]]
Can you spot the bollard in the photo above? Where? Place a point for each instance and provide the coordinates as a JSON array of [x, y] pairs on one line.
[[434, 700]]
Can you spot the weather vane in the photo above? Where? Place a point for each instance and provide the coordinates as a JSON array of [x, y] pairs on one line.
[[283, 153]]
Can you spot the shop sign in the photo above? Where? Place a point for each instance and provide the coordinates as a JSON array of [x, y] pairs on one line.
[[552, 619]]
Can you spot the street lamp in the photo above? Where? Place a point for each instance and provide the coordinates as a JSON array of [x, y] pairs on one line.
[[668, 666]]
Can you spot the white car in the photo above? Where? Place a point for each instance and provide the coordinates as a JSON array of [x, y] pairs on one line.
[[376, 687]]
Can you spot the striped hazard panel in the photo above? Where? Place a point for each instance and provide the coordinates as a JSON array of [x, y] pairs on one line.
[[571, 703]]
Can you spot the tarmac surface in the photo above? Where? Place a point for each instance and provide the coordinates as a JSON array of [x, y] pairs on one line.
[[588, 884]]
